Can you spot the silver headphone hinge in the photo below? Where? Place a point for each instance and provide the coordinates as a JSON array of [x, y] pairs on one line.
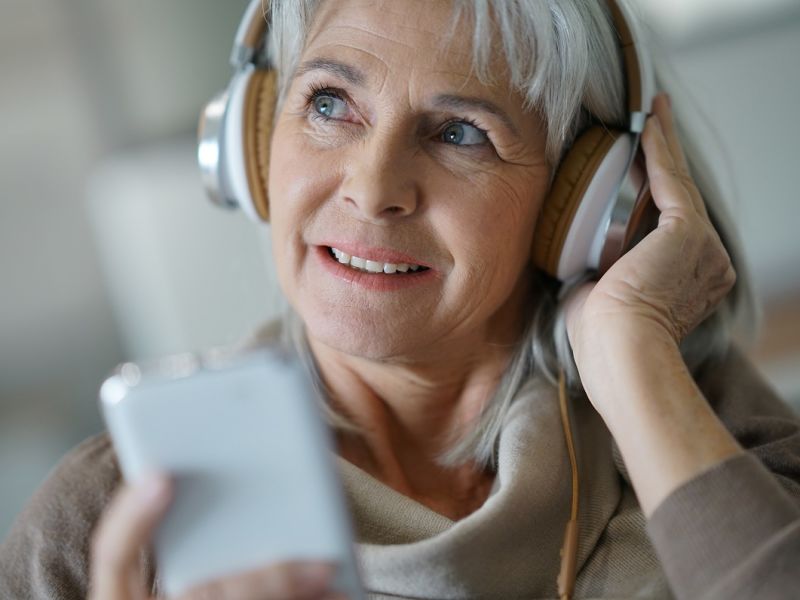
[[638, 120], [240, 56]]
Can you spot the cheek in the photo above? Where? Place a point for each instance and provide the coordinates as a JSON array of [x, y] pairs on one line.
[[288, 176], [300, 181], [295, 189], [500, 218], [488, 226]]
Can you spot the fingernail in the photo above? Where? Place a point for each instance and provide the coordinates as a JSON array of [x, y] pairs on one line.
[[668, 99], [314, 577]]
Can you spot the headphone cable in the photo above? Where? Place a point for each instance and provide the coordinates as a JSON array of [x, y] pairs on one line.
[[569, 550]]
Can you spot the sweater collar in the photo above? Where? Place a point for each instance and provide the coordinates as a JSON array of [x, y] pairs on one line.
[[510, 546]]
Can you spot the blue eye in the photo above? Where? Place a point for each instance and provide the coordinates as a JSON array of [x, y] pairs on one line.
[[329, 106], [463, 134]]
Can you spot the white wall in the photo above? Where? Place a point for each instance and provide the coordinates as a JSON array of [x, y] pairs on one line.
[[182, 273], [56, 330], [749, 87], [79, 80]]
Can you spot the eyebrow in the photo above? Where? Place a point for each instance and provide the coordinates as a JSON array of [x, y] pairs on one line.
[[355, 76], [347, 72], [464, 102]]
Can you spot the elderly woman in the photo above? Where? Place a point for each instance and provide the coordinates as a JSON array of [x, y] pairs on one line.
[[413, 155]]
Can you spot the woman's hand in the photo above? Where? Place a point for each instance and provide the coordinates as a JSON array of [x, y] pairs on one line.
[[677, 275], [625, 330], [127, 526]]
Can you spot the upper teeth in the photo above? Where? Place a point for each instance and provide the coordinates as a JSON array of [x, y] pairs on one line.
[[372, 266]]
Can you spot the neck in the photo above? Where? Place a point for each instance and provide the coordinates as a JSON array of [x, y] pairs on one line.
[[412, 405], [410, 408]]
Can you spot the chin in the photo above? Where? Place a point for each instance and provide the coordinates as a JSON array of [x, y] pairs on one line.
[[371, 339]]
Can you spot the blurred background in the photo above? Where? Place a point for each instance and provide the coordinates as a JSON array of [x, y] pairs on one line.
[[110, 252]]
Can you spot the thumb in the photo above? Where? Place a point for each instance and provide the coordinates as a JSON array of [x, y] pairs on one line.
[[124, 529]]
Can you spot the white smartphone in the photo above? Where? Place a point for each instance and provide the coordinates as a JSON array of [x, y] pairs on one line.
[[252, 461]]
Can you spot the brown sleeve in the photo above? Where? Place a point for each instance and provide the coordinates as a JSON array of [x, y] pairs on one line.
[[734, 531], [729, 533], [46, 554], [760, 421]]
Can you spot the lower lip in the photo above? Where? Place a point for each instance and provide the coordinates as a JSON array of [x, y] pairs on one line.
[[381, 282]]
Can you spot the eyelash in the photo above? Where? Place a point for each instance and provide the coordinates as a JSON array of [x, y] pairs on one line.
[[466, 121], [315, 90]]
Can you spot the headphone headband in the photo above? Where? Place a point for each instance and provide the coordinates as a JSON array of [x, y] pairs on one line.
[[250, 43], [251, 34], [640, 82]]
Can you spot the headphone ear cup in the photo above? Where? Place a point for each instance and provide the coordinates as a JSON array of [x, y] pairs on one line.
[[258, 116], [569, 187]]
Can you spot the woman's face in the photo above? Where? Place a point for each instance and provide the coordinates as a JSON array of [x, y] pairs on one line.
[[388, 149]]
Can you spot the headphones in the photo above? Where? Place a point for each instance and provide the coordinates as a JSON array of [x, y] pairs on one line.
[[599, 204]]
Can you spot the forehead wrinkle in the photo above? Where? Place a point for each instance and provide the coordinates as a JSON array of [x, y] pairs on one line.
[[394, 17], [332, 29], [351, 74], [335, 49], [394, 24], [436, 45]]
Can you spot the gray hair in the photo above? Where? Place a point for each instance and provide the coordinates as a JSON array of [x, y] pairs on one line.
[[564, 59]]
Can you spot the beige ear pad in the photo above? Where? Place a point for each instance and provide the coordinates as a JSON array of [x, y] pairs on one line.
[[569, 187], [259, 111]]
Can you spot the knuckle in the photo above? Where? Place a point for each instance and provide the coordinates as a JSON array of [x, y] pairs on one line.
[[682, 174], [274, 582], [726, 271], [679, 225], [207, 591], [308, 580], [730, 276], [282, 582]]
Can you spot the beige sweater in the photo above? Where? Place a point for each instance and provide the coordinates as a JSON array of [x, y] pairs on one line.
[[732, 532]]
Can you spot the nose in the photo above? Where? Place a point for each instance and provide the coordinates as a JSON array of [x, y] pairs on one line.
[[379, 182]]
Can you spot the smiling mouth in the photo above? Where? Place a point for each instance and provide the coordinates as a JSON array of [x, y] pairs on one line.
[[372, 266]]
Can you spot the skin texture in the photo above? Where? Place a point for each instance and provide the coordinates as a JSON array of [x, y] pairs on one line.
[[408, 366], [412, 365]]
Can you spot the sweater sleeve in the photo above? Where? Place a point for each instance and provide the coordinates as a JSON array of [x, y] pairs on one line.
[[46, 554], [734, 531]]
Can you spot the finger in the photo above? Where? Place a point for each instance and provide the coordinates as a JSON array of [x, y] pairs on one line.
[[663, 112], [665, 116], [282, 581], [125, 527], [670, 194]]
